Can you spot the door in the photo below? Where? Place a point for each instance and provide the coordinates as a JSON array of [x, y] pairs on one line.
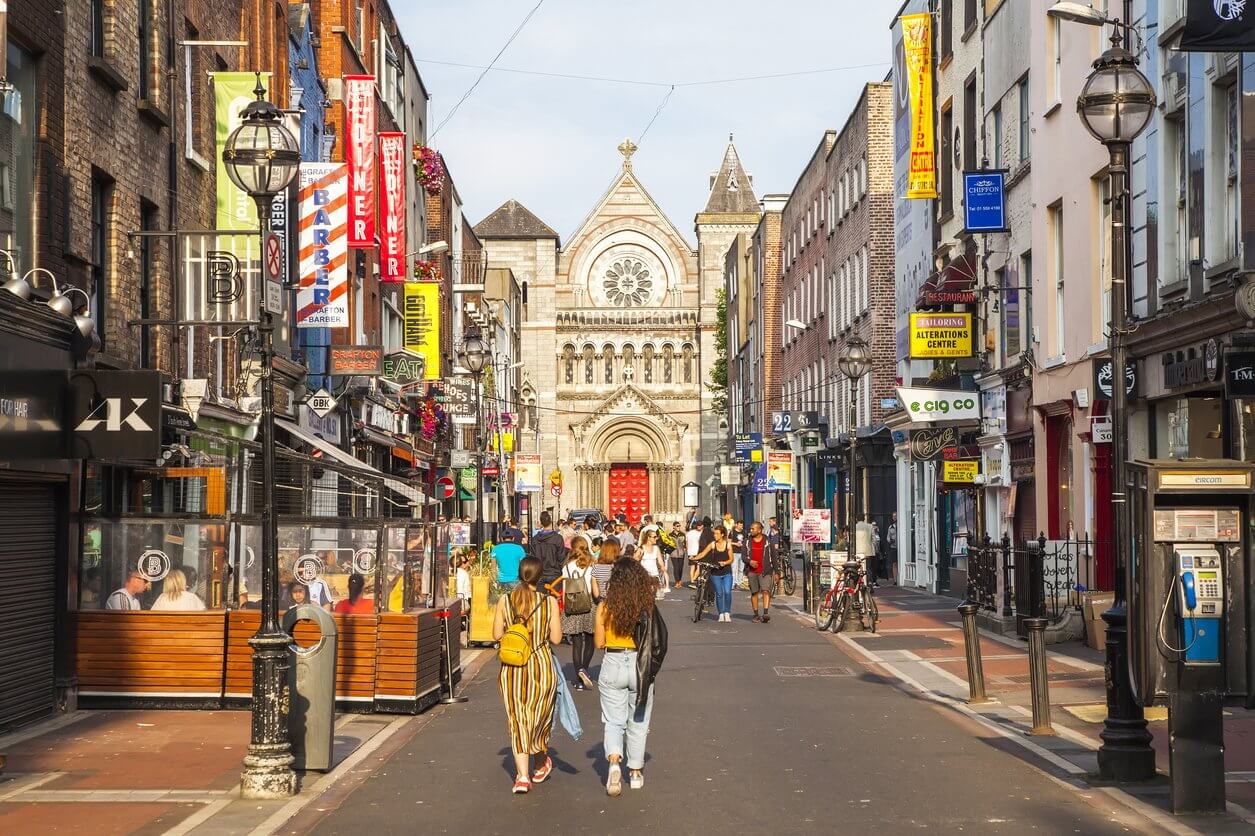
[[629, 491], [27, 619]]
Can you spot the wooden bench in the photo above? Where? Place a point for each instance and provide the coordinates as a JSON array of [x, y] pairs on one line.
[[175, 655]]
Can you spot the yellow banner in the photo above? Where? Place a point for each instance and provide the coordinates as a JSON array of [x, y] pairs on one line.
[[964, 470], [917, 45], [422, 325], [941, 335]]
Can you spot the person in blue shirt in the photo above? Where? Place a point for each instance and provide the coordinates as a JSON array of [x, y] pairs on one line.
[[507, 555]]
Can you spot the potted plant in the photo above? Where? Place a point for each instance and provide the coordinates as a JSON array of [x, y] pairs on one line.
[[429, 169]]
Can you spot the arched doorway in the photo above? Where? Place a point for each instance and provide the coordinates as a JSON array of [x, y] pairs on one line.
[[630, 470]]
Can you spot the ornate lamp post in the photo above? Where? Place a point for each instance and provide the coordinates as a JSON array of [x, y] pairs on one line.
[[261, 158], [1115, 106], [854, 362], [473, 355]]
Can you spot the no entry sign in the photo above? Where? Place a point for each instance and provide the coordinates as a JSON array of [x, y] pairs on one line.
[[444, 487]]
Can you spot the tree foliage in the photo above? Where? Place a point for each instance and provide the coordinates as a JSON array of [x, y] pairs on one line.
[[718, 382]]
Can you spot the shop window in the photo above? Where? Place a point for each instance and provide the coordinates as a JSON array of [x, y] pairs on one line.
[[153, 565], [1190, 428]]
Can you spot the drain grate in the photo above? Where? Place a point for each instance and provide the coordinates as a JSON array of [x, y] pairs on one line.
[[901, 642], [1078, 676], [812, 671]]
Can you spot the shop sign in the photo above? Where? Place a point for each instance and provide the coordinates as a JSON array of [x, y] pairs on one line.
[[153, 564], [1239, 375], [1188, 367], [984, 201], [356, 360], [359, 117], [115, 414], [747, 447], [759, 484], [321, 402], [787, 422], [404, 368], [962, 470], [1022, 469], [421, 331], [322, 295], [940, 335], [961, 451], [459, 399], [467, 478], [1204, 480], [392, 207], [32, 415], [925, 405], [828, 458], [527, 472], [307, 568], [1102, 379], [779, 470], [927, 444], [729, 474], [233, 91], [812, 525], [1101, 431], [459, 458], [177, 420], [921, 183], [491, 468]]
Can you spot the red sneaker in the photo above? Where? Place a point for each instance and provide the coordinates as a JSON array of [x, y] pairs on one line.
[[542, 772], [521, 786]]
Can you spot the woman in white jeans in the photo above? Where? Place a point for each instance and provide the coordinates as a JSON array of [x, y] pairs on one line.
[[629, 596]]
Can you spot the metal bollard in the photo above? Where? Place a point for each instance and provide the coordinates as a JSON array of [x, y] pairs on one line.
[[1038, 683], [975, 667], [452, 698]]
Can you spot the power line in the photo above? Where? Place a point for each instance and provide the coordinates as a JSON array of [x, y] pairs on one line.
[[500, 52], [572, 76], [661, 105]]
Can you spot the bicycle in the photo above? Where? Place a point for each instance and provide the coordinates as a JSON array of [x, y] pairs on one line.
[[786, 581], [850, 590], [703, 593]]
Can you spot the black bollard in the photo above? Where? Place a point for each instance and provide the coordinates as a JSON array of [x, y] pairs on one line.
[[1037, 675], [975, 667]]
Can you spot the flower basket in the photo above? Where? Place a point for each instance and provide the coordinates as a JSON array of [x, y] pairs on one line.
[[426, 271], [428, 169]]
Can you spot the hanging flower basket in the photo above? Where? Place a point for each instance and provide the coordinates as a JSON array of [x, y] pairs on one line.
[[426, 271], [428, 169]]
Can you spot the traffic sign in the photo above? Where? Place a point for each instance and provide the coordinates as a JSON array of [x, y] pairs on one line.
[[556, 490], [321, 402], [444, 487], [274, 258]]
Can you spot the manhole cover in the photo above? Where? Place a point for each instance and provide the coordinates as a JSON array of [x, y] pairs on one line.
[[838, 671], [1023, 678], [904, 642]]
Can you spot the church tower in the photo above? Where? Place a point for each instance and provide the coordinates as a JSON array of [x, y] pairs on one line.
[[731, 209]]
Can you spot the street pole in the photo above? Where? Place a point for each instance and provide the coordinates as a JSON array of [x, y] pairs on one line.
[[268, 762], [1125, 753], [852, 517], [479, 463]]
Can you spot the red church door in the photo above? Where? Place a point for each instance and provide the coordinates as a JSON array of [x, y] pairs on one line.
[[629, 491]]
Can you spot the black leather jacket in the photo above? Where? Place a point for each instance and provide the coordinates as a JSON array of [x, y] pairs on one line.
[[651, 649]]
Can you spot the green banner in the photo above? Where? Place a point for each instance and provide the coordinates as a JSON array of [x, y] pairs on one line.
[[232, 92]]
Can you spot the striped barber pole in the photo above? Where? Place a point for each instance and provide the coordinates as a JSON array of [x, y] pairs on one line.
[[322, 299]]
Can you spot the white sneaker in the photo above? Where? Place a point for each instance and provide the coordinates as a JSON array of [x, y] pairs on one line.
[[636, 780], [614, 784]]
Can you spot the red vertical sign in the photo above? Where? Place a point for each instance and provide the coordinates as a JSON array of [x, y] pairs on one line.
[[359, 131], [392, 207]]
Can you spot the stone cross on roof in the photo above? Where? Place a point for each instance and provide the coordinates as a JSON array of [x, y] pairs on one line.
[[627, 148]]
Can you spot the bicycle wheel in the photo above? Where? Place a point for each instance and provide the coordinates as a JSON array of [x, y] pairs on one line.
[[839, 611], [787, 578], [869, 606], [823, 611], [699, 599]]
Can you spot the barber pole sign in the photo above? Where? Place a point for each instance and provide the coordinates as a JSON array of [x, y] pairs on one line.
[[392, 206], [322, 298], [359, 117]]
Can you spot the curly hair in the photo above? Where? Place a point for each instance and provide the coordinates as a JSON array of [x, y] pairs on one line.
[[629, 596]]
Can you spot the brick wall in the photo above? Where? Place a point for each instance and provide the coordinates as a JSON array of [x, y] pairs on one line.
[[767, 252]]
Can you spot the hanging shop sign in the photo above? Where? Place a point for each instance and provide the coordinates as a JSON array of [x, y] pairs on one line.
[[232, 93], [1239, 374], [779, 470], [729, 475], [355, 359], [403, 368], [936, 335], [115, 414], [392, 207], [1191, 366], [962, 470], [421, 310], [491, 468], [459, 459], [1217, 26], [359, 128], [322, 297], [221, 272], [747, 447], [940, 404], [812, 525], [917, 46], [321, 402], [788, 422], [928, 444], [459, 399], [984, 201], [759, 483], [467, 478], [1102, 378]]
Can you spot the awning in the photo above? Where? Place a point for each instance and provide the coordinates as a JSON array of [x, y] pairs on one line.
[[954, 284], [411, 493]]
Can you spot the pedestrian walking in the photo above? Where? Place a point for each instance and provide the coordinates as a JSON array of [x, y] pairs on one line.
[[652, 561], [692, 545], [760, 568], [737, 536], [720, 554], [891, 546], [679, 555], [579, 588], [549, 547], [609, 555], [531, 689], [630, 628]]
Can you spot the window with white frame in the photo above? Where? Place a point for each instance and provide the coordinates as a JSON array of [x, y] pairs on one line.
[[865, 276], [845, 295], [1055, 216], [1176, 260], [845, 195], [1229, 170], [1025, 135], [1103, 237]]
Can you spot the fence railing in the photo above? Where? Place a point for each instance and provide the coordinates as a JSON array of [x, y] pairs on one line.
[[1040, 578]]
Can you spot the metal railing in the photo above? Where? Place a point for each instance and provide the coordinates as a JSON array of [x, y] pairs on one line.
[[1040, 578]]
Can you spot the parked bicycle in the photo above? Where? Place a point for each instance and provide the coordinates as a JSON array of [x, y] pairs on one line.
[[703, 593], [786, 581], [851, 591]]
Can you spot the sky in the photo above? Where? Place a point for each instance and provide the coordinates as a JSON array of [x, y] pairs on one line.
[[551, 142]]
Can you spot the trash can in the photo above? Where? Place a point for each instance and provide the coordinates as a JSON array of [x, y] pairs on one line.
[[312, 682]]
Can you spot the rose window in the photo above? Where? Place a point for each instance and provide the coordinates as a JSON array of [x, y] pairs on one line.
[[628, 283]]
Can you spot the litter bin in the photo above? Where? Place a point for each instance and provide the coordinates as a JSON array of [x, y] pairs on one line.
[[312, 680]]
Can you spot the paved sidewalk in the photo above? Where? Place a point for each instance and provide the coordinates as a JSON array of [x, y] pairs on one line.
[[920, 643], [177, 772]]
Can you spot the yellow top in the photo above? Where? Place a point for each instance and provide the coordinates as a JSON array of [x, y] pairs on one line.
[[613, 639]]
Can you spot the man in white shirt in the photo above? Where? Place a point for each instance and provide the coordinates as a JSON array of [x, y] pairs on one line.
[[124, 598]]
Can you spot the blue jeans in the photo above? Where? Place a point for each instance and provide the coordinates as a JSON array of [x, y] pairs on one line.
[[617, 687], [723, 592]]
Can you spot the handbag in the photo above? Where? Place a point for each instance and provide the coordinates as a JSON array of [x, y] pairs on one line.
[[576, 599], [515, 647]]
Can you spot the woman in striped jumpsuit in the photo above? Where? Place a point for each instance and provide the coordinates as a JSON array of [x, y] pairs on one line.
[[529, 692]]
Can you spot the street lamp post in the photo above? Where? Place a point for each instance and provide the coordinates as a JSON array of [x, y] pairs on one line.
[[261, 158], [473, 355], [1115, 105], [854, 362]]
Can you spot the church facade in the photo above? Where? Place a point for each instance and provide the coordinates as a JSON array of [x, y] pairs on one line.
[[618, 341]]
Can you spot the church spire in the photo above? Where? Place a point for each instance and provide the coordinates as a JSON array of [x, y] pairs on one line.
[[731, 189]]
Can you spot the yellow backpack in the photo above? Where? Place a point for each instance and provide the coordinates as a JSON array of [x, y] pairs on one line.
[[515, 647]]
